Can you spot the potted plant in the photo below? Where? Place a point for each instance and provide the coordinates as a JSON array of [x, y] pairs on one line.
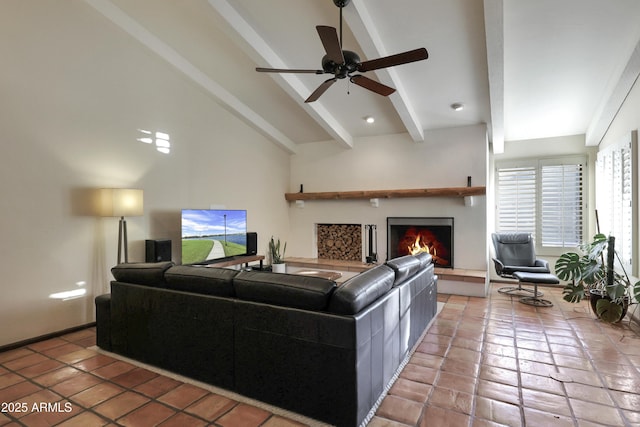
[[589, 275], [277, 257]]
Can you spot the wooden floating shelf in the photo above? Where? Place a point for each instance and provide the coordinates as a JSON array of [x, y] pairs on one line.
[[388, 194]]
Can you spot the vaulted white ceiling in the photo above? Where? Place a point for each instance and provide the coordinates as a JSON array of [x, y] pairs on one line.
[[528, 69]]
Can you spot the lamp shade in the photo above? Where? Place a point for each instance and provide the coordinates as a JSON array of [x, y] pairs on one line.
[[121, 202]]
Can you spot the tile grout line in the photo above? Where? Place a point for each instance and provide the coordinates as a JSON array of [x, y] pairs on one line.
[[581, 332], [42, 387], [605, 385], [574, 418], [109, 381], [523, 418], [484, 341]]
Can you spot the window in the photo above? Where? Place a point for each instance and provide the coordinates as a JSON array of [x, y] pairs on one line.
[[614, 201], [517, 199], [561, 221], [543, 197]]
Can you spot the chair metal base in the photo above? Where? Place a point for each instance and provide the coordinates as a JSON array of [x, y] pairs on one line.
[[513, 290], [534, 300], [537, 302]]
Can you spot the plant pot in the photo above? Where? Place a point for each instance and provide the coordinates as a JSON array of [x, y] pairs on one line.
[[606, 310], [279, 268]]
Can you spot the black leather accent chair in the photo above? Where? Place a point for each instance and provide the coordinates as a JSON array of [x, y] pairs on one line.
[[515, 252]]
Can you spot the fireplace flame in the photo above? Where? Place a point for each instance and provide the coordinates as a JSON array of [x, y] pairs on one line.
[[418, 247], [415, 240]]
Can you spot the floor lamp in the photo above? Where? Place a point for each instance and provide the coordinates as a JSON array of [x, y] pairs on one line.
[[121, 202]]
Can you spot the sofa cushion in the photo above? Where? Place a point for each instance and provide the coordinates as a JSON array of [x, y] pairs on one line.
[[361, 290], [425, 259], [142, 273], [404, 267], [287, 290], [203, 280]]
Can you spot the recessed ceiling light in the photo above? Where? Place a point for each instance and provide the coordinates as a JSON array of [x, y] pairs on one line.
[[369, 119], [457, 106]]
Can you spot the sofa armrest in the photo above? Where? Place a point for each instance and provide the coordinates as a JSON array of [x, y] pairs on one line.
[[540, 266], [542, 263], [142, 273], [103, 321], [498, 265]]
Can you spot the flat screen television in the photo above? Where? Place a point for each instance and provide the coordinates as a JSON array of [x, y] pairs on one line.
[[213, 234]]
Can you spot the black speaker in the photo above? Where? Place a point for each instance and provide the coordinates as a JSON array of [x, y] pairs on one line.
[[252, 243], [157, 250]]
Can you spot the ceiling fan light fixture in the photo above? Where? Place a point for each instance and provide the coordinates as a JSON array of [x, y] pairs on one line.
[[457, 106]]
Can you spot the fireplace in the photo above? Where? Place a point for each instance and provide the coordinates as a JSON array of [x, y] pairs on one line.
[[406, 236]]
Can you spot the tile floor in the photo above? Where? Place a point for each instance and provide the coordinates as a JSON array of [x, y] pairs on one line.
[[484, 362]]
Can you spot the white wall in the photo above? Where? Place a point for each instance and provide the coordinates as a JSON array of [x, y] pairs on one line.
[[445, 159], [626, 120], [73, 92], [544, 147]]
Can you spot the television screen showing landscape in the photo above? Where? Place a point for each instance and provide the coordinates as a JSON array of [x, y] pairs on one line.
[[209, 234]]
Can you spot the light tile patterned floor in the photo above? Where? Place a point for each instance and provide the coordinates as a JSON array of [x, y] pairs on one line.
[[484, 362]]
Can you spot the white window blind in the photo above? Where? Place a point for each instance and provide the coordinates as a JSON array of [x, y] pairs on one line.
[[517, 199], [614, 197], [561, 220], [544, 197]]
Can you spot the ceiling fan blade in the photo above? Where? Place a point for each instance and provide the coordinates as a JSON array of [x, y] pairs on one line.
[[392, 60], [331, 43], [287, 70], [372, 85], [320, 90]]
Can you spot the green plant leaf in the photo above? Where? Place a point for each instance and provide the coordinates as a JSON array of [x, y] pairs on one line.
[[592, 270], [573, 292], [595, 248], [277, 257], [568, 267], [608, 311]]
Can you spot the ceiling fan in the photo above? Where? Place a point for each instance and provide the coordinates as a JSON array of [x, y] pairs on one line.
[[343, 63]]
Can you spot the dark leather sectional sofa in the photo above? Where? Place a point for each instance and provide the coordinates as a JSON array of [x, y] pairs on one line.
[[297, 342]]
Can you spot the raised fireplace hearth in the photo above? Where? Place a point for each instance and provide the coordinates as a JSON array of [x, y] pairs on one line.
[[409, 236]]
